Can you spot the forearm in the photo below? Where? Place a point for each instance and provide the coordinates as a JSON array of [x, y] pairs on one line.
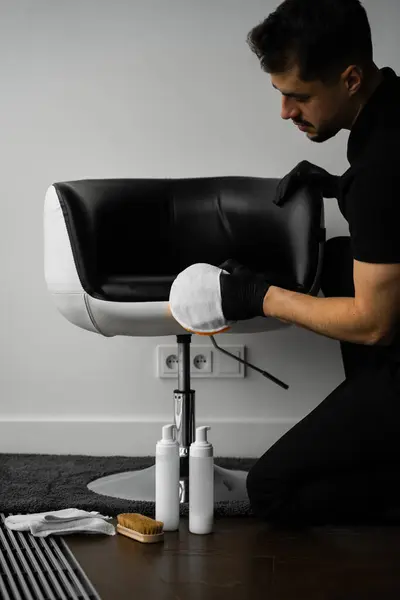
[[336, 318]]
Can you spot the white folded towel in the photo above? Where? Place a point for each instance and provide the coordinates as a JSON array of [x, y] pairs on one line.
[[61, 522], [195, 300]]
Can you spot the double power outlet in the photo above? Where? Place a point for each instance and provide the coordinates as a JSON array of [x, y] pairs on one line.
[[205, 361]]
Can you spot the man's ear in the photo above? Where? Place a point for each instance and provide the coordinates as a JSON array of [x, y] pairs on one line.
[[352, 78]]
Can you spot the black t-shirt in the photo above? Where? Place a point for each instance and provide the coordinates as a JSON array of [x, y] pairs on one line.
[[369, 196]]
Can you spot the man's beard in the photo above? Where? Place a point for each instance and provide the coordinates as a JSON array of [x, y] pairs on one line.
[[323, 135]]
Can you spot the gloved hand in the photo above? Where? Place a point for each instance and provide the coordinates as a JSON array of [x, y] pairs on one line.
[[305, 173], [206, 299], [242, 291]]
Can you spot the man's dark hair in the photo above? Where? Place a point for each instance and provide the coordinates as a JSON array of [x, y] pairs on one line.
[[322, 37]]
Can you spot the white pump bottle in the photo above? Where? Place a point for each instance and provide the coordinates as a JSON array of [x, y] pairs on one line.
[[201, 483], [167, 480]]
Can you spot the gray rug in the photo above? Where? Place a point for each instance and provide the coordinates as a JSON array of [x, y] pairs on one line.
[[42, 482]]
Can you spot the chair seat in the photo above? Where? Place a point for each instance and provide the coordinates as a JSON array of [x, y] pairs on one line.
[[155, 288], [137, 288]]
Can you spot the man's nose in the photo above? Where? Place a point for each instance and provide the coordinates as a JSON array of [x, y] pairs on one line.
[[289, 109]]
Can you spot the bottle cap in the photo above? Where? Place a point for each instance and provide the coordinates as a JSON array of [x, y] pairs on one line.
[[201, 436], [168, 435], [168, 432]]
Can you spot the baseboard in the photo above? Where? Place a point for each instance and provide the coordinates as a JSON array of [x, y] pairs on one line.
[[131, 437]]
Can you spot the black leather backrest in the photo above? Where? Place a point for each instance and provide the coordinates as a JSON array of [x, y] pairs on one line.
[[158, 227]]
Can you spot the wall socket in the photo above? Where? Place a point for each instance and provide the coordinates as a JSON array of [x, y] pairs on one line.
[[205, 361]]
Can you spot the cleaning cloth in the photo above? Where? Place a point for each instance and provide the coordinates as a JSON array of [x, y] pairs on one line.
[[61, 522], [195, 300]]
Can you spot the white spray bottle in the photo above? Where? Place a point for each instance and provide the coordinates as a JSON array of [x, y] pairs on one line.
[[167, 479], [201, 483]]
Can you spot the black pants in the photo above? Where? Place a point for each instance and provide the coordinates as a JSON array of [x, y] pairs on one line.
[[341, 463]]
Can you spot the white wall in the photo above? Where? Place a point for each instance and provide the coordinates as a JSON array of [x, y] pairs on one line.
[[141, 89]]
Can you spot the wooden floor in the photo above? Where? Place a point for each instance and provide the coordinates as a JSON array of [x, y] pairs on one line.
[[245, 559]]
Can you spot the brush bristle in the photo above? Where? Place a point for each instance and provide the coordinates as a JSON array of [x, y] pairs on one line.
[[140, 523]]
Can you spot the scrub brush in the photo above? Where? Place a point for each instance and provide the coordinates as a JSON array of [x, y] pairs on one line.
[[140, 528]]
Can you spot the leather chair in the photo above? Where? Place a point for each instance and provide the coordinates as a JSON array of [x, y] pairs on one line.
[[112, 248]]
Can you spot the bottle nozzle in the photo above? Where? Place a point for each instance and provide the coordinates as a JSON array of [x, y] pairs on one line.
[[201, 434], [168, 433]]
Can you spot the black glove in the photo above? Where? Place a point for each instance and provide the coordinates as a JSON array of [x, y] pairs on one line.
[[305, 173], [242, 292]]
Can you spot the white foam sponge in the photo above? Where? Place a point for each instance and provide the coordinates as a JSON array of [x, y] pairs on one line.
[[195, 300]]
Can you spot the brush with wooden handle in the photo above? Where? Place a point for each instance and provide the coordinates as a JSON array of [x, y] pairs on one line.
[[140, 528]]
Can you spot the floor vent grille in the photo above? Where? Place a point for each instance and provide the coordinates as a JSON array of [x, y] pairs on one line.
[[33, 568]]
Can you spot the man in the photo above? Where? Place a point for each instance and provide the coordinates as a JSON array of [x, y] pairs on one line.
[[341, 463]]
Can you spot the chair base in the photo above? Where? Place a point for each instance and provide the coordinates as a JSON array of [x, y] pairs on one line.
[[140, 485]]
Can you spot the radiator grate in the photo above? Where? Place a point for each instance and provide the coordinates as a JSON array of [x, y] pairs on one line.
[[33, 568]]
